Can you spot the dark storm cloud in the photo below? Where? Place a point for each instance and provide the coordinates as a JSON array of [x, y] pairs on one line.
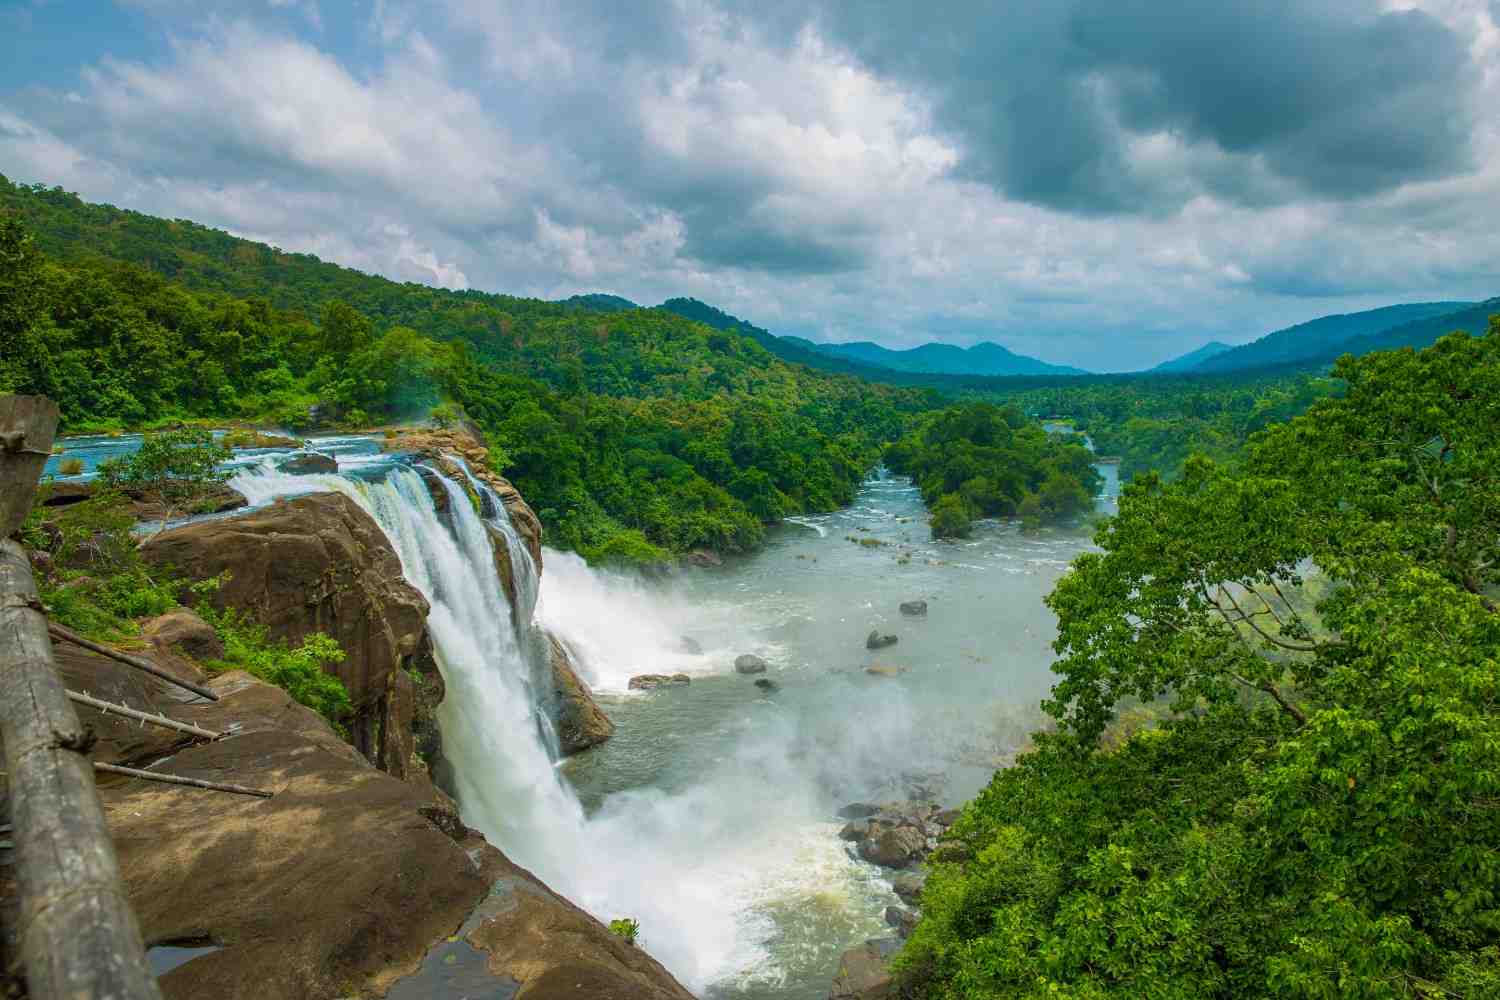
[[1333, 97]]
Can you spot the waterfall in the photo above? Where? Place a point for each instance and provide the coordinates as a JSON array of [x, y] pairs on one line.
[[503, 771], [630, 860]]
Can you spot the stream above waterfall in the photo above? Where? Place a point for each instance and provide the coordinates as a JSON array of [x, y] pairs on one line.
[[710, 816]]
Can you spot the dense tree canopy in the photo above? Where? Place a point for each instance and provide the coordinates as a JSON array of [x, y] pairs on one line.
[[983, 460], [1318, 813], [636, 433]]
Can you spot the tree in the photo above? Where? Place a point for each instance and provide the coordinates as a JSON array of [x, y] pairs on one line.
[[170, 469], [950, 517], [1317, 813]]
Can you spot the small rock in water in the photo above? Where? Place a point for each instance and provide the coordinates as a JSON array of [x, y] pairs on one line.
[[908, 886], [893, 848], [767, 685], [855, 830], [877, 641], [914, 608], [645, 682], [902, 919], [749, 663], [703, 557], [690, 646], [884, 670], [863, 974], [306, 463]]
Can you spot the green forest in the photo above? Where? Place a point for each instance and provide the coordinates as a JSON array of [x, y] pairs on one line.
[[1273, 765], [635, 434], [982, 460]]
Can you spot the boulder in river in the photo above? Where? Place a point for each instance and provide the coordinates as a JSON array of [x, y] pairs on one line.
[[704, 558], [893, 848], [307, 463], [579, 721], [858, 810], [690, 646], [647, 682], [855, 830], [749, 663], [902, 920], [908, 886], [877, 641], [915, 609], [863, 972], [767, 685]]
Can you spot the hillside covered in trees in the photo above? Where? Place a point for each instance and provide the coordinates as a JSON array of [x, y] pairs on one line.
[[636, 434], [1275, 764]]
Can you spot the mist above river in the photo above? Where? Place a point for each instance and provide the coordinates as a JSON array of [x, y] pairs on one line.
[[717, 800]]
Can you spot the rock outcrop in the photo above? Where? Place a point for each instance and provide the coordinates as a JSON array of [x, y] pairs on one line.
[[319, 563], [345, 882], [877, 641], [863, 973], [147, 505], [306, 463], [579, 722]]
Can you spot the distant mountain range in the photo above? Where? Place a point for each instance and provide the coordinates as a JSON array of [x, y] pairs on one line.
[[858, 358], [1316, 343], [946, 359], [1193, 358], [1320, 341]]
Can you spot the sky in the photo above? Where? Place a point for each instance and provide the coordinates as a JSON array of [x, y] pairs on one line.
[[1104, 183]]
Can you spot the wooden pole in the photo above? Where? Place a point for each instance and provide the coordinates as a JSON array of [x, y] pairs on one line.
[[131, 713], [27, 424], [68, 635], [177, 779], [78, 936]]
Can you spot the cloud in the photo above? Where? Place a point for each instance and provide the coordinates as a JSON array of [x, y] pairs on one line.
[[1102, 184], [1050, 99]]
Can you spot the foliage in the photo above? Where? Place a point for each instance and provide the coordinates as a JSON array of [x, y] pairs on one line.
[[625, 928], [635, 433], [1319, 814], [298, 670], [99, 586], [979, 459]]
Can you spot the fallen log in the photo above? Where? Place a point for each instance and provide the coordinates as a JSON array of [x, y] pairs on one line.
[[133, 713], [177, 779], [67, 635]]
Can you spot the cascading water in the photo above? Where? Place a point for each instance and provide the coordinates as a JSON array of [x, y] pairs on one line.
[[632, 858]]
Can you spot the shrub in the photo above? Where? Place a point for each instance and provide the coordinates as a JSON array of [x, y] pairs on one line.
[[625, 928], [950, 517], [297, 670], [70, 467]]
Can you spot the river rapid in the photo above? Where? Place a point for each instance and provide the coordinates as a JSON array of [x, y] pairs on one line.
[[727, 795], [710, 816]]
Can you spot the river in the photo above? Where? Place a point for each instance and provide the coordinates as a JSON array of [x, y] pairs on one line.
[[710, 816]]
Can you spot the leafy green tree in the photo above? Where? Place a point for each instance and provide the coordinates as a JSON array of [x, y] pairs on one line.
[[951, 518], [1316, 814], [172, 468]]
